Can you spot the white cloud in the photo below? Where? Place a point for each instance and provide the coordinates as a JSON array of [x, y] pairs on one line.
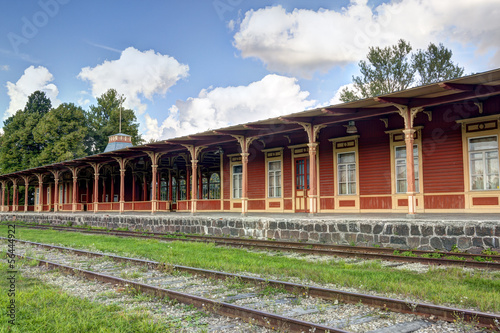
[[304, 41], [33, 79], [135, 75], [4, 68], [272, 96]]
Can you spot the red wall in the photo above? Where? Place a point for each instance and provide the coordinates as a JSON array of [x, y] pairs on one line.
[[442, 151], [374, 158], [256, 175]]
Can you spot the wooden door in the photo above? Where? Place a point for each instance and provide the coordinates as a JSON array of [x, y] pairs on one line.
[[301, 184]]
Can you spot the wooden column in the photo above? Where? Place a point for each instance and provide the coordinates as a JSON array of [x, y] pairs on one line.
[[244, 183], [39, 206], [170, 190], [133, 187], [104, 189], [154, 170], [410, 170], [313, 179], [144, 188], [122, 162], [74, 196], [26, 185], [8, 198], [194, 152], [56, 174], [97, 168], [409, 115], [15, 203], [2, 199], [112, 191]]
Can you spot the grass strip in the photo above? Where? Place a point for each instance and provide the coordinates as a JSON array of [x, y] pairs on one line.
[[44, 308], [444, 286]]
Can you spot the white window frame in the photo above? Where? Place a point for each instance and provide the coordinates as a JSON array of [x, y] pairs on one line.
[[276, 175], [237, 182], [348, 180], [483, 152], [416, 163]]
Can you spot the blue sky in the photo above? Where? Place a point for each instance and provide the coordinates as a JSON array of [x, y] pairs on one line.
[[188, 66]]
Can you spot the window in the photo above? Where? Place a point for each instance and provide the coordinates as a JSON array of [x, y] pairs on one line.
[[163, 190], [346, 164], [182, 189], [214, 186], [483, 157], [237, 181], [204, 192], [400, 162], [174, 190], [274, 179]]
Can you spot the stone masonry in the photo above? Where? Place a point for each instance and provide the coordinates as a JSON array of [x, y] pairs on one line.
[[401, 234]]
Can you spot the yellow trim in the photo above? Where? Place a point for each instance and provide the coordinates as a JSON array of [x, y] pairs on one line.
[[469, 194], [345, 197], [268, 199], [419, 208]]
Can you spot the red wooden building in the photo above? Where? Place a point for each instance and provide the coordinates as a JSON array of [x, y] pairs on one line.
[[426, 149]]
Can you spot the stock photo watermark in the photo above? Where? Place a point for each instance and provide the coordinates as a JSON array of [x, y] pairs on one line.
[[11, 274], [223, 6], [31, 25]]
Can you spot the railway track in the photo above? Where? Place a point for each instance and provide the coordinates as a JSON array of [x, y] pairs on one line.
[[483, 261], [294, 308]]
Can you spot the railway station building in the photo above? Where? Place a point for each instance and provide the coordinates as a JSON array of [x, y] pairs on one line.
[[428, 149]]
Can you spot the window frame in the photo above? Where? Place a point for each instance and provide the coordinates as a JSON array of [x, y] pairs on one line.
[[240, 181], [469, 160], [347, 170], [416, 163], [277, 174]]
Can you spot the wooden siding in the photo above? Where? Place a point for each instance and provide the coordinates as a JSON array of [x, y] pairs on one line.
[[208, 205], [274, 204], [256, 204], [485, 201], [227, 177], [374, 164], [287, 174], [327, 203], [442, 152], [256, 176], [444, 201], [326, 178], [347, 203], [376, 202]]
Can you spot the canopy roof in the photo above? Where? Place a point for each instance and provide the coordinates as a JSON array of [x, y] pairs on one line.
[[470, 88]]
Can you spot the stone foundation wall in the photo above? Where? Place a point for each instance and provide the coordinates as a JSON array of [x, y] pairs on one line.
[[402, 234]]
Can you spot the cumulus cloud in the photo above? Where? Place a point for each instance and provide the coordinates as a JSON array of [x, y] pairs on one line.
[[304, 41], [135, 75], [272, 96], [4, 67], [33, 79]]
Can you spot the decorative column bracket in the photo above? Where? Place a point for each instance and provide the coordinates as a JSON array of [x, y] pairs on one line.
[[26, 185], [56, 174], [97, 167], [409, 115], [312, 134], [155, 158], [74, 172], [39, 177], [194, 151], [122, 162], [14, 194]]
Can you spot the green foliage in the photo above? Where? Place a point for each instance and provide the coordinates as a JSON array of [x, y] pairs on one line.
[[61, 131], [393, 68], [103, 120], [18, 148]]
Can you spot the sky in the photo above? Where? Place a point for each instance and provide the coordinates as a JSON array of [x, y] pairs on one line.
[[189, 66]]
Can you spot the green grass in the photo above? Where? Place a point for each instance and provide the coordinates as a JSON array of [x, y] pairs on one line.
[[43, 308], [439, 285]]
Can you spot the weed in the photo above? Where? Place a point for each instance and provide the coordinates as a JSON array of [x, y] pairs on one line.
[[483, 259], [408, 254], [434, 255], [489, 252], [455, 258]]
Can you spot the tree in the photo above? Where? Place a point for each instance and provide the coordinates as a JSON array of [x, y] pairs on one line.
[[62, 132], [103, 120], [435, 65], [392, 69], [18, 149]]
